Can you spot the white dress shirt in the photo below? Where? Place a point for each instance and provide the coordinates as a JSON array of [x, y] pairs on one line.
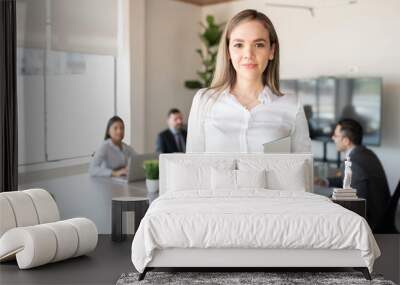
[[110, 157], [347, 152], [179, 140], [224, 125]]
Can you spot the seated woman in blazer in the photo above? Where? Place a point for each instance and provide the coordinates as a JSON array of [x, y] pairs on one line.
[[244, 107], [111, 159]]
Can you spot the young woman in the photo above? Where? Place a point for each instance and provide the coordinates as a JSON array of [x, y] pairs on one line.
[[244, 108], [111, 159]]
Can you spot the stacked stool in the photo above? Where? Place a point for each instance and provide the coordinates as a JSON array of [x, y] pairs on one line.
[[31, 231]]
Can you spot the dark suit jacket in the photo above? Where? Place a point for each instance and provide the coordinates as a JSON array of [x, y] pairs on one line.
[[166, 142], [369, 179]]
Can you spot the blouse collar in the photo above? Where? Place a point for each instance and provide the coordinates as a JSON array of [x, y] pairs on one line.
[[116, 147], [264, 96]]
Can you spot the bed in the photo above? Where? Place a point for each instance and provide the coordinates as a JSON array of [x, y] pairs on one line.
[[247, 210]]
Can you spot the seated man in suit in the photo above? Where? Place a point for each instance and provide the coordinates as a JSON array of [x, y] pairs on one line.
[[172, 139], [368, 176]]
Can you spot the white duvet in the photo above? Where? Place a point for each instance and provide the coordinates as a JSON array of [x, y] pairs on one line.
[[252, 218]]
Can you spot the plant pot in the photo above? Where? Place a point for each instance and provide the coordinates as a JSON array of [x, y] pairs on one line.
[[152, 185]]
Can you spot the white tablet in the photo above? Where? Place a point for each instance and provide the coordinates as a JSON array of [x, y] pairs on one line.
[[281, 145]]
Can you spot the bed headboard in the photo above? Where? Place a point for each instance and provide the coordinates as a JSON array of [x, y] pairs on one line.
[[210, 158]]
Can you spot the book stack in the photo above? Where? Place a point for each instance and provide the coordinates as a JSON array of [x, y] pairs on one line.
[[344, 194]]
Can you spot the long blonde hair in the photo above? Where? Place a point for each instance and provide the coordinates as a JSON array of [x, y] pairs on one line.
[[225, 73]]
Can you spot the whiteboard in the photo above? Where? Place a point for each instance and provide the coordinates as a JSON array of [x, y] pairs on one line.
[[30, 100], [80, 98]]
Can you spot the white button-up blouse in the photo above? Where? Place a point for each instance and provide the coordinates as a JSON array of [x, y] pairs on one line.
[[224, 125]]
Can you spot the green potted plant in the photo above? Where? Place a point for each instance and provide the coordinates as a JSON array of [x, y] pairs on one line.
[[210, 38], [151, 173]]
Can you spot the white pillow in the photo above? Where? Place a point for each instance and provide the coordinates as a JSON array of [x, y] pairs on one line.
[[183, 178], [223, 179], [251, 178], [185, 174], [280, 174], [292, 179], [227, 179]]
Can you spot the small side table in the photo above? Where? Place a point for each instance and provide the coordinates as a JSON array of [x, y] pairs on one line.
[[122, 204], [358, 205]]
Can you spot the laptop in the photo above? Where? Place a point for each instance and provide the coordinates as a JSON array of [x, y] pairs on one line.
[[281, 145], [135, 167]]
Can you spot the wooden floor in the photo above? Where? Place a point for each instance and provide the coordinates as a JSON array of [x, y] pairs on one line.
[[110, 260]]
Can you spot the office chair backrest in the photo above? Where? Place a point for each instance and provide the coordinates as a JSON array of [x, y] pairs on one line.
[[394, 202], [389, 222]]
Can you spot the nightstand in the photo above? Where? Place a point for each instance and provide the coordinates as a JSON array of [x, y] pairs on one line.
[[122, 204], [358, 206]]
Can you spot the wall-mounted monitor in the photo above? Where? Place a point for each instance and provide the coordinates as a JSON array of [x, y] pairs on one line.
[[329, 99]]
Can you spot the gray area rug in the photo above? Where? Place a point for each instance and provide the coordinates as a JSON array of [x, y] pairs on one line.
[[225, 278]]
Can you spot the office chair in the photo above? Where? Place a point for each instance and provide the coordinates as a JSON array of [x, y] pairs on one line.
[[389, 222]]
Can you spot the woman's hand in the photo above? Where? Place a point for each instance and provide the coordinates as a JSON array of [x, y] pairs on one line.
[[120, 172]]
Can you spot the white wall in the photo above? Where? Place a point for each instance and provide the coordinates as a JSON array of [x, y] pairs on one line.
[[137, 30], [31, 23], [172, 31], [123, 67], [356, 40], [88, 26]]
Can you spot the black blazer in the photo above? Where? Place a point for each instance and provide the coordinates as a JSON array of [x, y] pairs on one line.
[[166, 142], [369, 179]]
